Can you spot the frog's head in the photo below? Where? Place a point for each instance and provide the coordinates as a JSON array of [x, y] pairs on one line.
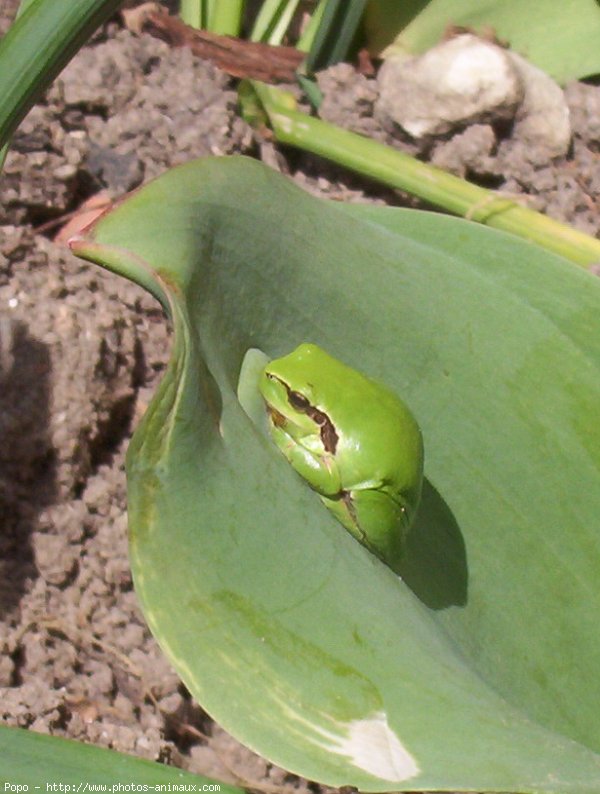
[[289, 388]]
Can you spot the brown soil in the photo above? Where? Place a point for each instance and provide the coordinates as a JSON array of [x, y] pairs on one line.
[[81, 352]]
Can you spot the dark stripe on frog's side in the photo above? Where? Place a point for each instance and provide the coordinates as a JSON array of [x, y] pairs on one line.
[[299, 402]]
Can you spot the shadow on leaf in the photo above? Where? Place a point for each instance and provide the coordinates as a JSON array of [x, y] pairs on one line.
[[435, 562]]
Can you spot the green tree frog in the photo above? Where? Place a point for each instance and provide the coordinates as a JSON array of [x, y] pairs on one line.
[[352, 439]]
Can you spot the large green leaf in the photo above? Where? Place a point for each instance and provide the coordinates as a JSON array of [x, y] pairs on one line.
[[35, 762], [479, 668], [559, 36]]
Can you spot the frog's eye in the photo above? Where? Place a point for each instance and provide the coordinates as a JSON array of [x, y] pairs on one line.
[[298, 401]]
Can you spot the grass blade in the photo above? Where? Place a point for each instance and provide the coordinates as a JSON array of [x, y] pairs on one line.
[[273, 21], [3, 151], [307, 38], [36, 48], [335, 34]]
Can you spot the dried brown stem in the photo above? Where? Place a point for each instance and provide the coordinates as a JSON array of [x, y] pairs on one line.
[[237, 57]]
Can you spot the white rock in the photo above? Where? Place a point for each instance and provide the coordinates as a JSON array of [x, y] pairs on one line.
[[543, 118], [455, 83]]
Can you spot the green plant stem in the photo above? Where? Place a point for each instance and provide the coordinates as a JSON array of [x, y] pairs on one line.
[[306, 40], [440, 189], [335, 33], [273, 20], [193, 13], [37, 47], [226, 17]]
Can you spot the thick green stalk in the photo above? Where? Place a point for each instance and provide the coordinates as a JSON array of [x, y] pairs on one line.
[[193, 13], [226, 17], [37, 47], [438, 188]]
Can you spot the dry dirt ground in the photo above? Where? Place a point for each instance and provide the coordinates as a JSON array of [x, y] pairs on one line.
[[81, 352]]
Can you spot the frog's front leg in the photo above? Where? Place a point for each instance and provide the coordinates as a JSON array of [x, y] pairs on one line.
[[306, 455]]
